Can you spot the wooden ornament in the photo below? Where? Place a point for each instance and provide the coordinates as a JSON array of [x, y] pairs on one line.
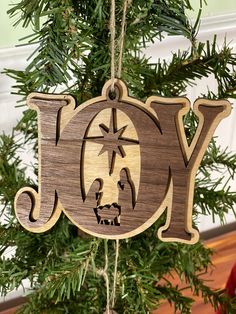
[[113, 165]]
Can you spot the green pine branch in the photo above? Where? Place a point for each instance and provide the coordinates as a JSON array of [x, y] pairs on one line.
[[71, 40]]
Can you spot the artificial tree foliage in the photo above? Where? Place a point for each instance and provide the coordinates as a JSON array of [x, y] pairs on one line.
[[72, 55]]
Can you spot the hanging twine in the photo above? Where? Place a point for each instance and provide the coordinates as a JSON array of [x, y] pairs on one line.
[[113, 295], [117, 72], [113, 41], [104, 274], [114, 73], [127, 3]]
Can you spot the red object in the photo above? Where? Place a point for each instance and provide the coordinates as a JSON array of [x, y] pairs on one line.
[[230, 287]]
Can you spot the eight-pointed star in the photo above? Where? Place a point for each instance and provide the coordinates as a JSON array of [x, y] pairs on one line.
[[112, 140]]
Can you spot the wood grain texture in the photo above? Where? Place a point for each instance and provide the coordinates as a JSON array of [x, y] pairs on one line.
[[113, 166], [223, 260], [11, 311]]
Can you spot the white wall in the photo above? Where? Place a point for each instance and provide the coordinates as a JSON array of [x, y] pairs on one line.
[[225, 27], [16, 58], [12, 58], [221, 25]]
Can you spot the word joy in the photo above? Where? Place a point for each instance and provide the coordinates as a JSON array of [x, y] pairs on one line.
[[114, 165]]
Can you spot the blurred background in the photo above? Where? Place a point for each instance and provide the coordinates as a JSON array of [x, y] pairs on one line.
[[218, 17]]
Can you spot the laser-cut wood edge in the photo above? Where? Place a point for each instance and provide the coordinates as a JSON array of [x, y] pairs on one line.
[[30, 191], [188, 152], [69, 112]]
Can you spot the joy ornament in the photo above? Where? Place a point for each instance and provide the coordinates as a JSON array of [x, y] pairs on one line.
[[114, 164]]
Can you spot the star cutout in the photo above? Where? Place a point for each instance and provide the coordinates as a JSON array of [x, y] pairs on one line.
[[112, 140]]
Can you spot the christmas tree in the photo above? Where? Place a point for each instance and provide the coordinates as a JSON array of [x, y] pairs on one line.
[[69, 271]]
